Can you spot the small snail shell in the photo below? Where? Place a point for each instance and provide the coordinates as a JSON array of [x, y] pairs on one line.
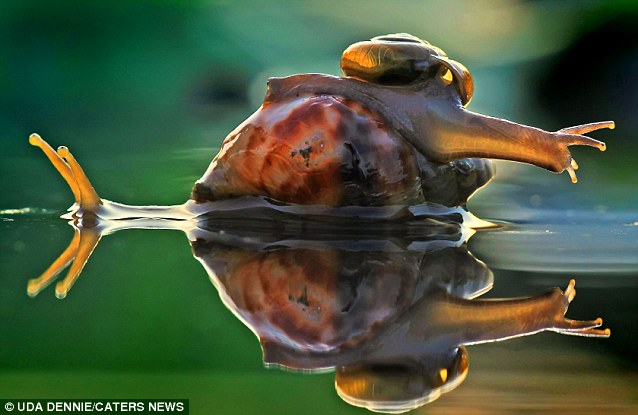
[[399, 59]]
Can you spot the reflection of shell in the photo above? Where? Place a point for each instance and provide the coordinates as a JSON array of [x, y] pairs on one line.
[[326, 150], [316, 300]]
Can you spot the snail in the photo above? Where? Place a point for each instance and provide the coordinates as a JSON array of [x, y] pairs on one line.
[[393, 131]]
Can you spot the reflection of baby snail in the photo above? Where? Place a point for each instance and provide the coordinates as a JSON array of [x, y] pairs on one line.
[[396, 388]]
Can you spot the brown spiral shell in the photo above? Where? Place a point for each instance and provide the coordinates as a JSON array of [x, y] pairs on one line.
[[315, 150]]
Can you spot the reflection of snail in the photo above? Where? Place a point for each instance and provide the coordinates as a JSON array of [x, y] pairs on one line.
[[393, 131], [391, 322]]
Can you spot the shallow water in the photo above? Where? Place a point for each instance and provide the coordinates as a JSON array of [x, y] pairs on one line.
[[144, 319]]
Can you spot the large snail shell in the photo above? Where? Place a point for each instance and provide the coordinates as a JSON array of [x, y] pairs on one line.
[[320, 150], [313, 300], [327, 150]]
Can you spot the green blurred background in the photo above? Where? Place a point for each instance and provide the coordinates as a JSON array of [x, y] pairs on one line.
[[124, 83], [144, 92]]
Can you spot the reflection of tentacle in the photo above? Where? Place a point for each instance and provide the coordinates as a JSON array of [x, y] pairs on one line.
[[586, 328], [582, 328], [77, 254], [586, 332], [58, 162], [89, 239], [36, 285]]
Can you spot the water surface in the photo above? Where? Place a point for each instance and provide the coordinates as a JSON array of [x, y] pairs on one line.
[[144, 319]]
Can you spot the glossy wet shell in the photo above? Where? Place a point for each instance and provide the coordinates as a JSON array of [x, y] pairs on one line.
[[327, 150], [319, 150]]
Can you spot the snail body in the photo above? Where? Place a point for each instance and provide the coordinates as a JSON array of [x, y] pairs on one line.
[[330, 148]]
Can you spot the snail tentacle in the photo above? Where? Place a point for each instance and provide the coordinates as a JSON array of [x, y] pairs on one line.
[[58, 162], [88, 197], [589, 127], [71, 171]]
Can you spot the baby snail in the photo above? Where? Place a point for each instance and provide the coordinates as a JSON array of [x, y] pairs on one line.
[[393, 131]]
